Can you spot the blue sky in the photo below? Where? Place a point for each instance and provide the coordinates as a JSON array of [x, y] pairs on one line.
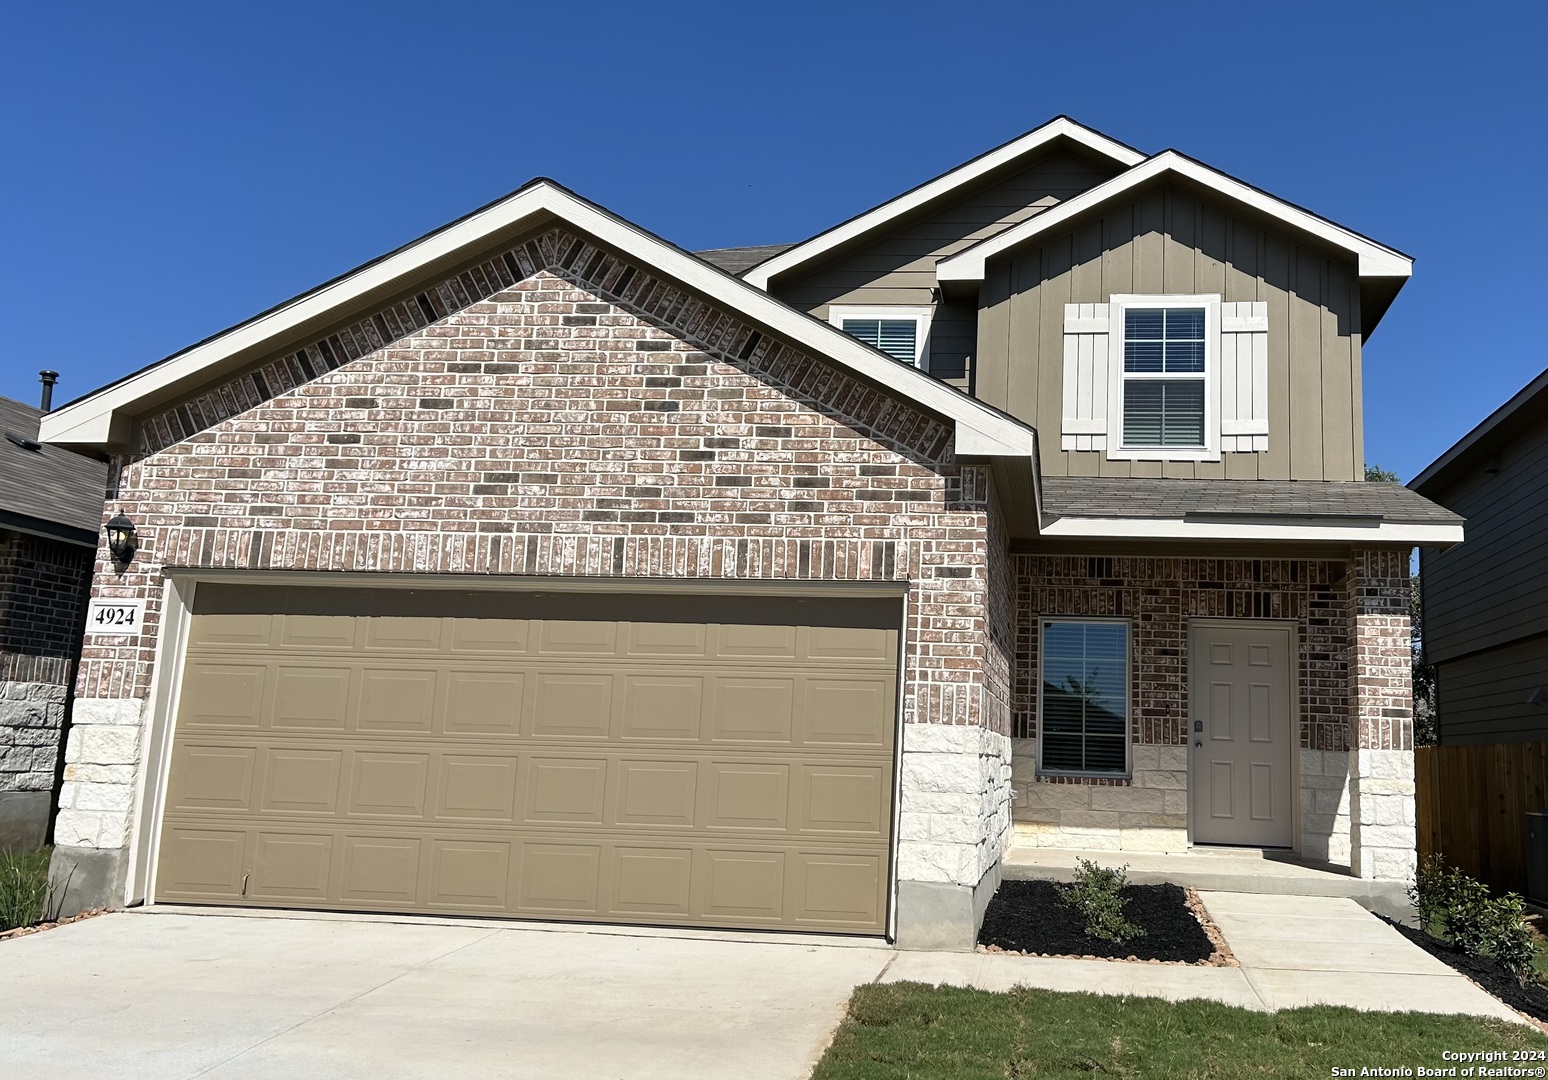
[[171, 169]]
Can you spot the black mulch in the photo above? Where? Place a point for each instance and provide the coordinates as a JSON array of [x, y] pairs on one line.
[[1026, 916], [1532, 1000]]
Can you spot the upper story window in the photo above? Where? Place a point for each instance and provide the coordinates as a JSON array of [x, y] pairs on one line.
[[901, 332], [1165, 381]]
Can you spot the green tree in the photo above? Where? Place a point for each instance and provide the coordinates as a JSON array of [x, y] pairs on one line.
[[1376, 474]]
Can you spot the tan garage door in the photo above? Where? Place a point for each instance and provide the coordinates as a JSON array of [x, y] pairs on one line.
[[654, 759]]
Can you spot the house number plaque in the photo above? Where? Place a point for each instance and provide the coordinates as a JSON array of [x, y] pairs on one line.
[[107, 616]]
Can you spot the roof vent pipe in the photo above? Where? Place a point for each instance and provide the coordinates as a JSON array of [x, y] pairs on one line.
[[48, 378]]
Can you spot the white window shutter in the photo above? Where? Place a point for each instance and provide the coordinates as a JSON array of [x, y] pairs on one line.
[[1085, 377], [1244, 376]]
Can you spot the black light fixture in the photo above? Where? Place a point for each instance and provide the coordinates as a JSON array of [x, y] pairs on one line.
[[120, 534]]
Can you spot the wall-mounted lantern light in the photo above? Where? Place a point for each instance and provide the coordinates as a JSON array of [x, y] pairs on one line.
[[120, 536]]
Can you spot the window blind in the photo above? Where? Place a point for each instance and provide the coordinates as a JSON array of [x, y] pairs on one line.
[[1085, 697], [898, 338], [1161, 409]]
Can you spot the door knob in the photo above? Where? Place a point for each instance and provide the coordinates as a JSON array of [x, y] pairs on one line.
[[1198, 745]]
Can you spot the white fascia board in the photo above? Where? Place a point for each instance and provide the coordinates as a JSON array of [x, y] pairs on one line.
[[910, 201], [986, 431], [1087, 528], [1375, 260]]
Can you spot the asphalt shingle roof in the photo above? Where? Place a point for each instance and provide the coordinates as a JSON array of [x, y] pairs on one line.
[[735, 260], [1071, 496], [48, 484]]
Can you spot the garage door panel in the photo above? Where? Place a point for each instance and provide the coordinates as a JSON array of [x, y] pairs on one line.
[[292, 866], [502, 636], [744, 886], [847, 711], [470, 875], [483, 703], [566, 789], [650, 882], [657, 793], [380, 754], [301, 780], [312, 698], [748, 796], [380, 870], [843, 799], [663, 707], [219, 695], [572, 706], [753, 710], [477, 787], [397, 700], [204, 863], [213, 777], [560, 879], [839, 889], [388, 785], [305, 632]]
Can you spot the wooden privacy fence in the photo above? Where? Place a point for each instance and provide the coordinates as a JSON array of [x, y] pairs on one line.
[[1471, 802]]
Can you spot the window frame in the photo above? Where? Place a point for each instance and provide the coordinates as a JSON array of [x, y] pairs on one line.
[[1043, 623], [1119, 306], [920, 313]]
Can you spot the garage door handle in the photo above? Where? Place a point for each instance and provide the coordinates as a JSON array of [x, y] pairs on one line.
[[244, 882]]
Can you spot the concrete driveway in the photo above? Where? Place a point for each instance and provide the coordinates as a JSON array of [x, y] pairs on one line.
[[223, 997]]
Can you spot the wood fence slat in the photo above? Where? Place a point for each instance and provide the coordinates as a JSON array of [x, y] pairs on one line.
[[1471, 804]]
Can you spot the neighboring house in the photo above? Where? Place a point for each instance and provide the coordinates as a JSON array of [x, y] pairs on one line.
[[542, 568], [1486, 601], [50, 518]]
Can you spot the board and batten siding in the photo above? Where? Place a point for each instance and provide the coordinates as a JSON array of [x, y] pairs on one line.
[[899, 267], [1492, 589], [1171, 240]]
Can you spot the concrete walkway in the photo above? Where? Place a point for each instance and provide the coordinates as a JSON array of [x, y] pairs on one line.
[[1294, 950], [269, 996]]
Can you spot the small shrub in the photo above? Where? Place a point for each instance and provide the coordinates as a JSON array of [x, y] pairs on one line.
[[1432, 893], [23, 887], [1509, 939], [1470, 915], [1095, 894]]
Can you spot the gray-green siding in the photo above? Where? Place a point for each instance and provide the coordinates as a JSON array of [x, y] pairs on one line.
[[1172, 240], [1487, 697], [1492, 589], [899, 268]]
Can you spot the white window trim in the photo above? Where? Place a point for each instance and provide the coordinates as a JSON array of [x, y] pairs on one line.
[[1128, 701], [1120, 303], [920, 313]]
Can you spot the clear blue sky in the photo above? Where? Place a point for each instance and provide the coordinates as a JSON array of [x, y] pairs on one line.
[[171, 169]]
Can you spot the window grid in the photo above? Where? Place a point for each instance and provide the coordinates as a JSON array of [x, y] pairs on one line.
[[1164, 377]]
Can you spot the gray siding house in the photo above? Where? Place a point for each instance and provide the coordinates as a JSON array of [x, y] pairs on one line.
[[542, 568], [1486, 601]]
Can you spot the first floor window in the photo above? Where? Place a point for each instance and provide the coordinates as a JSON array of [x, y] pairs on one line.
[[1084, 697], [900, 332], [1164, 377]]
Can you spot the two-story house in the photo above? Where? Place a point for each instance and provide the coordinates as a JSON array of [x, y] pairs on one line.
[[542, 568]]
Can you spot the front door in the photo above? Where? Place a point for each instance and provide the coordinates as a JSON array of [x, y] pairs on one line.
[[1240, 780]]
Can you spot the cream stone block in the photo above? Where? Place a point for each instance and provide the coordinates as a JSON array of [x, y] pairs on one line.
[[1127, 798], [956, 829], [1172, 758], [1154, 839], [111, 797], [941, 802], [1174, 802], [913, 825], [1076, 820], [100, 774], [1062, 796], [1144, 757], [1087, 840], [940, 739], [954, 863], [941, 772], [1159, 778], [1031, 814], [106, 712], [105, 745], [78, 828]]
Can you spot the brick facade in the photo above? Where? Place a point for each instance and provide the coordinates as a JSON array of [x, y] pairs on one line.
[[581, 418]]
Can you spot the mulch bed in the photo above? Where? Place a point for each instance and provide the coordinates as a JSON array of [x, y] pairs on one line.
[[23, 931], [1027, 917], [1532, 1000]]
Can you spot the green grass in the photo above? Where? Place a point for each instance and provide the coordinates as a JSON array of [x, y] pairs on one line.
[[23, 887], [900, 1030]]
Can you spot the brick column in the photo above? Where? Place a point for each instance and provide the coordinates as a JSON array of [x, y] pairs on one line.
[[1381, 725]]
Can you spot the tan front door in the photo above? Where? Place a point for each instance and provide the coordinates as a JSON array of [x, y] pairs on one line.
[[1241, 734], [653, 759]]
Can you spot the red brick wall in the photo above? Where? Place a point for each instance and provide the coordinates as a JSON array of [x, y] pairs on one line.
[[41, 589], [1380, 678], [581, 420], [1158, 596]]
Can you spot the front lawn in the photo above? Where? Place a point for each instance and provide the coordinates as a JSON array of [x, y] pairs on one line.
[[899, 1030]]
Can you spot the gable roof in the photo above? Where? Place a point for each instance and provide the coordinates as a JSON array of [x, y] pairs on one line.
[[1530, 404], [733, 260], [1376, 260], [47, 491], [879, 217], [101, 419]]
